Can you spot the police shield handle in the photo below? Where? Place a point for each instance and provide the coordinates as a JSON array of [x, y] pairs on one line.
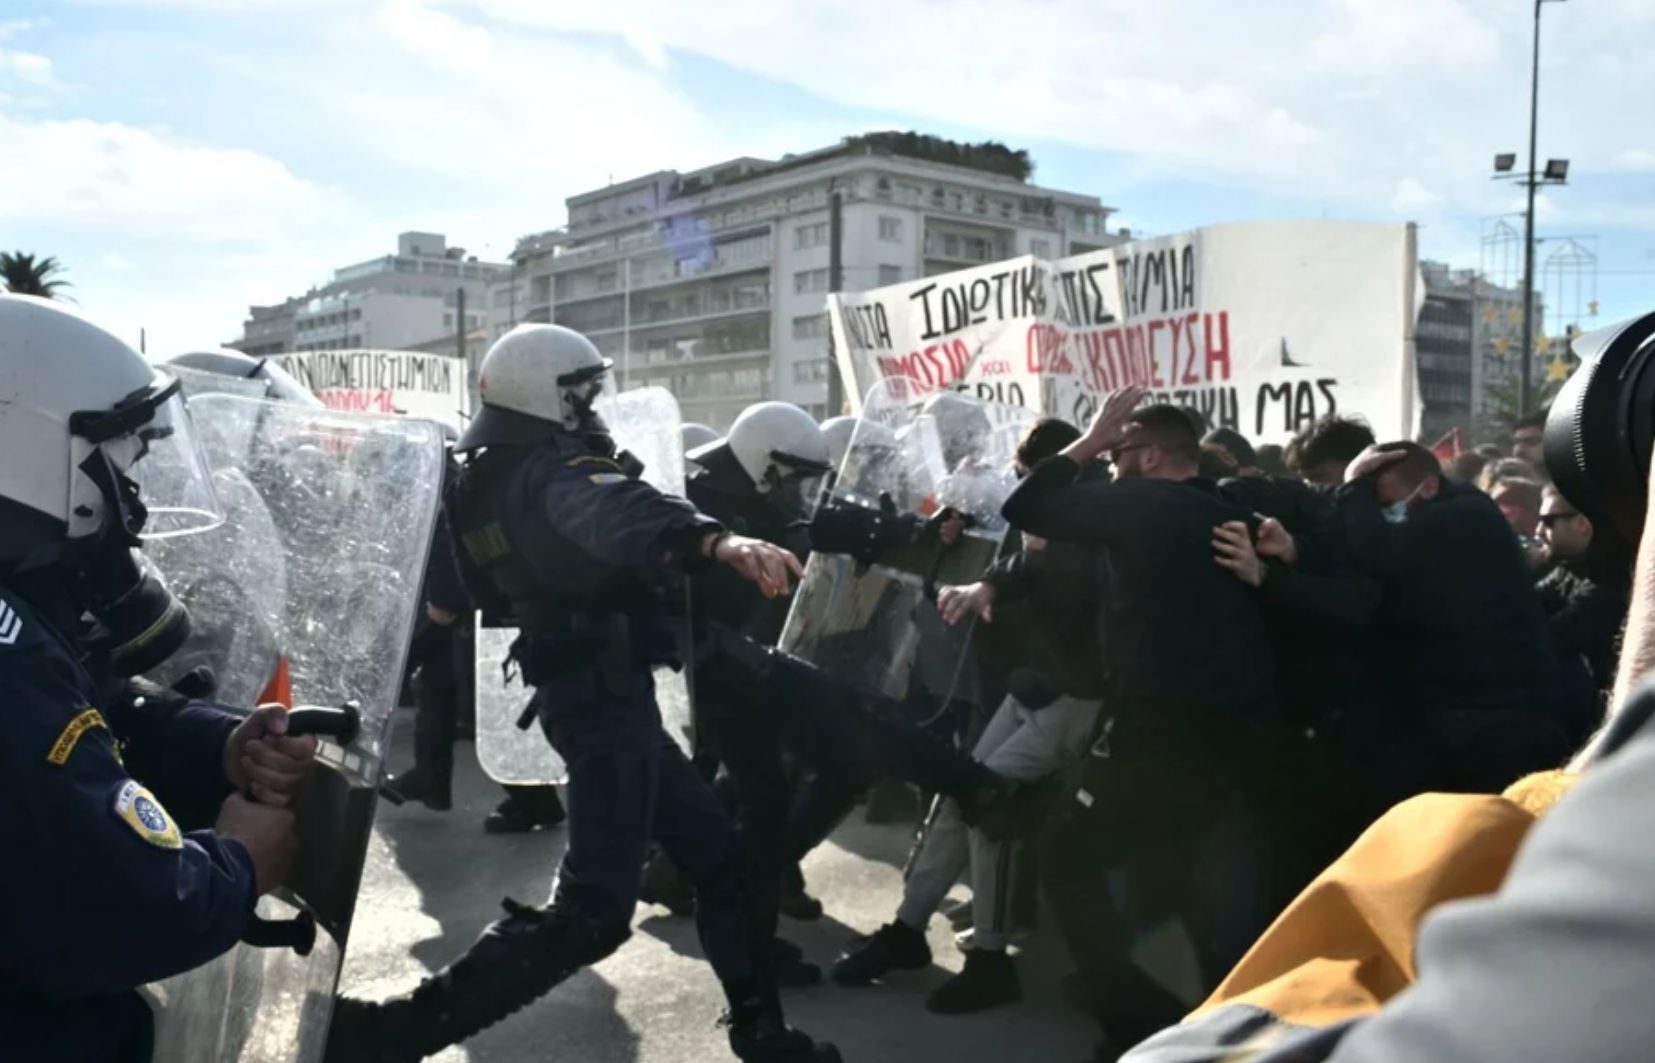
[[264, 760], [1108, 426], [265, 832], [761, 563]]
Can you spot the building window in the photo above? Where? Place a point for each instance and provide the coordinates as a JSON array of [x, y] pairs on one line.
[[890, 274], [448, 320], [890, 228], [810, 280], [810, 327], [812, 235], [1040, 248], [810, 371]]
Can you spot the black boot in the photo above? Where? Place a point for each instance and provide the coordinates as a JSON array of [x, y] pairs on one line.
[[664, 884], [795, 903], [516, 961], [525, 809], [893, 947], [988, 980], [792, 970], [416, 784], [769, 1040]]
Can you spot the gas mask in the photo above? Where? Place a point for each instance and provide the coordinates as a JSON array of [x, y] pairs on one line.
[[144, 446], [137, 623], [791, 484]]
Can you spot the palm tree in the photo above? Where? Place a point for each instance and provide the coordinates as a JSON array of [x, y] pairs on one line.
[[24, 274]]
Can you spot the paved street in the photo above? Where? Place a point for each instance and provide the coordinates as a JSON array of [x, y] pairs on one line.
[[433, 881]]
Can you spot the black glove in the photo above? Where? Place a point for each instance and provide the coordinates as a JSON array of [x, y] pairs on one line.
[[841, 527], [149, 698]]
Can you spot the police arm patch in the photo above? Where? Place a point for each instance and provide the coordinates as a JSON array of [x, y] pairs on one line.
[[607, 478], [66, 742], [139, 810]]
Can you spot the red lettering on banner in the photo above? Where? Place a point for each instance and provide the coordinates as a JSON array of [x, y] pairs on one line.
[[1114, 352], [1218, 353], [930, 368], [1149, 347], [358, 401]]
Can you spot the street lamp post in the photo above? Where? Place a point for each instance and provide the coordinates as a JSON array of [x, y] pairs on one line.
[[1556, 172]]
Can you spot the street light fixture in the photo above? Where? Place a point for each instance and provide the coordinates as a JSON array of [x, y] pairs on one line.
[[1556, 173]]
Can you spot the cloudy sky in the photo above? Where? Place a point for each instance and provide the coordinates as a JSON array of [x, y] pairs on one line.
[[185, 158]]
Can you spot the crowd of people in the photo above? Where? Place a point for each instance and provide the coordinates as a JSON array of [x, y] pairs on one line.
[[1192, 673]]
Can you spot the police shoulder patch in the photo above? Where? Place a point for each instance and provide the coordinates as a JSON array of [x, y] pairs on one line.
[[83, 722], [607, 478], [11, 624], [139, 809]]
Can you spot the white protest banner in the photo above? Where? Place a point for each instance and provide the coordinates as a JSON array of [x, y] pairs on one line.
[[407, 382], [1262, 327]]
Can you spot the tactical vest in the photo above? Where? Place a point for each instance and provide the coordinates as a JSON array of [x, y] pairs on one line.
[[571, 606]]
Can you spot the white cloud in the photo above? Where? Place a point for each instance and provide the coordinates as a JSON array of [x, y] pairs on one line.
[[1637, 160], [128, 180], [1411, 197], [27, 67]]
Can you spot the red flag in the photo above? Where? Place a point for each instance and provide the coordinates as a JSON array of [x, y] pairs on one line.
[[1450, 446]]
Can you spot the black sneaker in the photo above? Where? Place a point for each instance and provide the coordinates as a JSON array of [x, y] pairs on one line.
[[769, 1040], [416, 785], [988, 980], [893, 947], [519, 816], [360, 1033]]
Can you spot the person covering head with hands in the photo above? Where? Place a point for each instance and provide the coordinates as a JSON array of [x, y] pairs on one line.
[[135, 855], [1473, 662]]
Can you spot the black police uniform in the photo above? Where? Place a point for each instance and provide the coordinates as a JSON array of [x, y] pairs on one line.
[[561, 539], [108, 884], [732, 721]]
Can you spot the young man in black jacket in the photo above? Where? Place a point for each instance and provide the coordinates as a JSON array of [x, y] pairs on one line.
[[1474, 676], [1187, 682]]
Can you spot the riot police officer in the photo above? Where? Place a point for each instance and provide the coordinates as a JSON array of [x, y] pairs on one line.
[[557, 536], [760, 481], [113, 878]]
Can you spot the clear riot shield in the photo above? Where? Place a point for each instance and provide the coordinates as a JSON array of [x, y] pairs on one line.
[[345, 503], [510, 745], [876, 627]]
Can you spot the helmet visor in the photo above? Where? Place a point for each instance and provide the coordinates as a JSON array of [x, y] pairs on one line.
[[150, 435]]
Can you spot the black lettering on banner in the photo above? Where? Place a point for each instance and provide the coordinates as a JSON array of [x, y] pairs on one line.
[[866, 327], [1291, 405], [923, 295], [1004, 392]]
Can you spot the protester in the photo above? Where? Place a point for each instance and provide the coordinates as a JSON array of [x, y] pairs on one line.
[[1270, 460], [1043, 595], [1467, 467], [1519, 502], [1545, 957], [1320, 453], [1528, 439], [1188, 679], [1499, 469], [1235, 444], [1584, 596], [1470, 665]]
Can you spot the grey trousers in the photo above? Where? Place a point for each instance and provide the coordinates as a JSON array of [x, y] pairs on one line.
[[1018, 743]]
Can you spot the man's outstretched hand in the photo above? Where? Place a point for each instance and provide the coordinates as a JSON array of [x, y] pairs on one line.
[[767, 565]]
